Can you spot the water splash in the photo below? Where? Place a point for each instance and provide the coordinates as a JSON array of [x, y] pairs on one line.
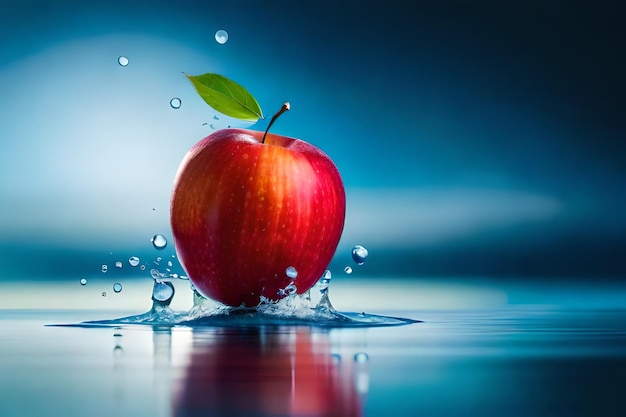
[[288, 290], [312, 308], [293, 309]]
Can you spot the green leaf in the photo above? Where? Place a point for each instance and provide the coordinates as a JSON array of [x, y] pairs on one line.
[[226, 96]]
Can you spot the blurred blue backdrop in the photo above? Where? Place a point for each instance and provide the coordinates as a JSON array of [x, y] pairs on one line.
[[482, 138]]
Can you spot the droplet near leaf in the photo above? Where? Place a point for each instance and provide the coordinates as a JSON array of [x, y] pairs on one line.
[[227, 97]]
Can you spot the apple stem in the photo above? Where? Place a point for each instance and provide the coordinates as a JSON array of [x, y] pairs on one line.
[[283, 109]]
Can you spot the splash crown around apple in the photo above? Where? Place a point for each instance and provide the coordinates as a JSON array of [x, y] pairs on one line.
[[254, 214]]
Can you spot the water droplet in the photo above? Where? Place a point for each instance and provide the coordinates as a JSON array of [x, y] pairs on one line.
[[291, 272], [83, 281], [162, 291], [117, 335], [347, 270], [175, 103], [169, 263], [159, 241], [104, 268], [117, 287], [104, 293], [215, 117], [122, 60], [359, 254], [221, 36], [133, 261], [361, 357], [142, 267], [212, 126], [118, 264], [288, 290]]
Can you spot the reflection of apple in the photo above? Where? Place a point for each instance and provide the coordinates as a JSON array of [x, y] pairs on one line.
[[266, 372], [247, 207]]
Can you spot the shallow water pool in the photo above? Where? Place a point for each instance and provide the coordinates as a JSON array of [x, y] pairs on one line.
[[505, 358]]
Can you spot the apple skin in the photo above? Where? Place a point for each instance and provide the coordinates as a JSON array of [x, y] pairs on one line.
[[243, 211]]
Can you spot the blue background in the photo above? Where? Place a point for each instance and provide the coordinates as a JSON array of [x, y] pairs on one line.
[[482, 138]]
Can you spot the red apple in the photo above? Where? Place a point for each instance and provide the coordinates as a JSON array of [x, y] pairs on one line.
[[246, 207]]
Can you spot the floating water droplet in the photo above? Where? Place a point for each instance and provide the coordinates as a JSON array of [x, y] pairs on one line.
[[104, 293], [159, 241], [291, 272], [215, 117], [117, 287], [142, 267], [359, 254], [162, 291], [212, 126], [175, 103], [361, 357], [169, 263], [122, 60], [347, 270], [83, 281], [104, 268], [118, 264], [117, 335], [133, 261], [221, 36]]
